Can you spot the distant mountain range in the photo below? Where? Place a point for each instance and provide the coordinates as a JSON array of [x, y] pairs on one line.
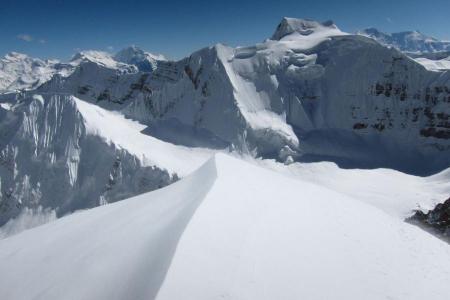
[[104, 127], [408, 41]]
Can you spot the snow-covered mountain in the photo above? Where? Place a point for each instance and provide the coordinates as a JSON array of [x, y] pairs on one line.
[[321, 125], [388, 109], [19, 71], [309, 93], [407, 41], [215, 235], [430, 52], [144, 61]]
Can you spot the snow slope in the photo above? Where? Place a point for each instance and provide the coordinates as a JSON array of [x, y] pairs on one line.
[[214, 235], [396, 193]]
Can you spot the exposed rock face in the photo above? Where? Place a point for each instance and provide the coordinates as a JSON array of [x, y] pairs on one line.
[[437, 220]]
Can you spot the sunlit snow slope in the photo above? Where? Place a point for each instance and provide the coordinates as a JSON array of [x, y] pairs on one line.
[[215, 235]]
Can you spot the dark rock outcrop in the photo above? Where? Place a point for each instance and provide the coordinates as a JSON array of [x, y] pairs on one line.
[[436, 220]]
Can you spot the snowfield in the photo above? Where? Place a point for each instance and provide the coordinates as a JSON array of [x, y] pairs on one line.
[[214, 235], [396, 193]]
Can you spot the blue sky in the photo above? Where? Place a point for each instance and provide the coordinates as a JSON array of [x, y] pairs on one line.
[[58, 28]]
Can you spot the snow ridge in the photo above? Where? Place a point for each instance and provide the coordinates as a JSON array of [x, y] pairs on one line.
[[260, 229]]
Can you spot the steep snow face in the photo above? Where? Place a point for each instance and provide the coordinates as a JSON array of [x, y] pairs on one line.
[[259, 235], [144, 61], [18, 71], [408, 41], [61, 154]]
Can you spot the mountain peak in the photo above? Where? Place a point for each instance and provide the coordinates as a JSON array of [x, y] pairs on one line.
[[303, 27], [129, 52], [15, 56], [143, 60]]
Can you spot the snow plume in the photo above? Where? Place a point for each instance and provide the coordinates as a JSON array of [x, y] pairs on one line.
[[27, 219]]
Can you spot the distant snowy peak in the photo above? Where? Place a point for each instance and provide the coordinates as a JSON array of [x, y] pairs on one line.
[[103, 59], [128, 60], [19, 71], [15, 56], [304, 27], [144, 61], [407, 41]]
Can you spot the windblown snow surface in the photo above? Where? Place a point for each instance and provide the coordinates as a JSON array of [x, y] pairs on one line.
[[215, 235]]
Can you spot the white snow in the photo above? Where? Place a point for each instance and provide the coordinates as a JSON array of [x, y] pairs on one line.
[[396, 193], [434, 65], [252, 74], [253, 104], [19, 71], [100, 57], [215, 235]]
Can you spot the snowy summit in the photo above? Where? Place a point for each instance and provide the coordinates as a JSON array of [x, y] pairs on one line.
[[304, 27]]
